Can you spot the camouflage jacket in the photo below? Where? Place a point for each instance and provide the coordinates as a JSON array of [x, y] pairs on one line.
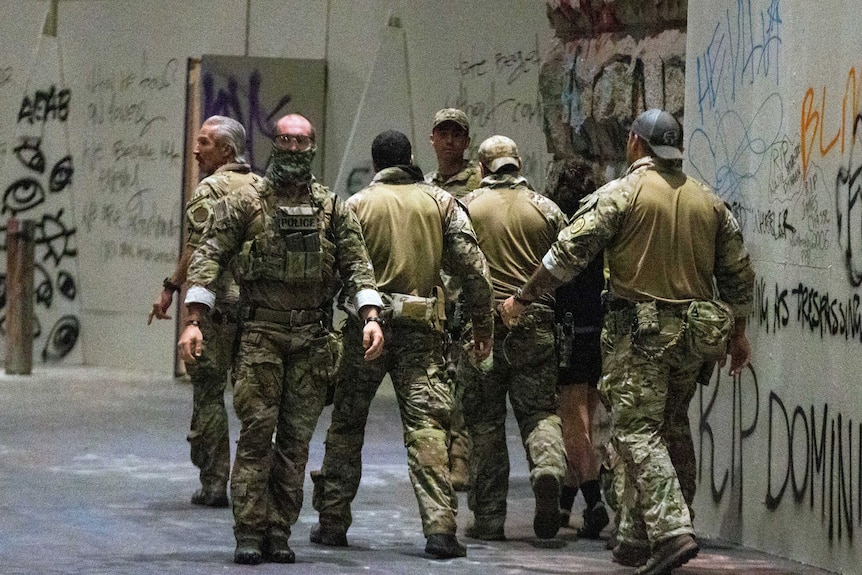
[[223, 181], [515, 226], [665, 236], [241, 218], [414, 230], [461, 183]]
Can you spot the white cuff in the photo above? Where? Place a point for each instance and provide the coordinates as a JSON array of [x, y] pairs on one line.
[[198, 294], [550, 263], [366, 297]]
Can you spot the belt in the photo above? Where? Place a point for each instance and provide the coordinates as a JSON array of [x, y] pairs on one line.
[[620, 304], [292, 317]]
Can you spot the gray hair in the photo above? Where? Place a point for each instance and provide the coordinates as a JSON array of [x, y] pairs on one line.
[[231, 132]]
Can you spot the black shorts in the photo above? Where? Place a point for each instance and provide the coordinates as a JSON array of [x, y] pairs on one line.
[[585, 363]]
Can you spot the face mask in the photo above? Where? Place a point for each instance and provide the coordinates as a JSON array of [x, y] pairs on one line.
[[290, 168]]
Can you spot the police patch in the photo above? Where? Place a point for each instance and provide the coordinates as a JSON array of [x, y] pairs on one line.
[[296, 219]]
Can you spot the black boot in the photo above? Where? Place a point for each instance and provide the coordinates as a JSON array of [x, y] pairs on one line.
[[546, 522], [277, 549], [248, 552], [444, 546]]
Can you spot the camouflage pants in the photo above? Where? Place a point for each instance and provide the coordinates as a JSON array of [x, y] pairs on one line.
[[648, 383], [281, 381], [413, 358], [525, 369], [208, 433], [459, 438]]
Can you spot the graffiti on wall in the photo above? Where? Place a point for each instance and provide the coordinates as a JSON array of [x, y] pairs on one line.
[[41, 193], [791, 173], [496, 88], [126, 146]]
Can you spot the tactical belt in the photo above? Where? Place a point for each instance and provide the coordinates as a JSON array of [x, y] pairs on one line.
[[620, 304], [292, 317]]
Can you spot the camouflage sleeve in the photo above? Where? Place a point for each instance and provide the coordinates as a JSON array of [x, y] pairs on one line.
[[198, 213], [733, 272], [593, 226], [552, 212], [227, 225], [351, 257], [463, 258]]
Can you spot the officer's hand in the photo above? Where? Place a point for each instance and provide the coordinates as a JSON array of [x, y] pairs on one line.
[[509, 311], [740, 354], [372, 340], [482, 347], [191, 344], [161, 306]]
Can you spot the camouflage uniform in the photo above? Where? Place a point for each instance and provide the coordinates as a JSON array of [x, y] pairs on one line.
[[458, 185], [289, 253], [412, 229], [515, 227], [665, 237], [208, 434], [461, 183]]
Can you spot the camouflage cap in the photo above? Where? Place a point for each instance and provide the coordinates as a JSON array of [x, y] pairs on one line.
[[451, 115], [498, 151], [661, 131]]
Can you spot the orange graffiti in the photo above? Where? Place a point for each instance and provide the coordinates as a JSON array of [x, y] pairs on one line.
[[813, 121]]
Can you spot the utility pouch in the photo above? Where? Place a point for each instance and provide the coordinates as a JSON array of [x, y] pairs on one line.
[[411, 309], [646, 319], [709, 325]]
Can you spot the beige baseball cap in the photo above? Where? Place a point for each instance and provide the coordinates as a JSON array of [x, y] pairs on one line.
[[451, 115], [498, 151]]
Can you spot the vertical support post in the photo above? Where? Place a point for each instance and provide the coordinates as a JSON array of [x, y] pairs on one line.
[[20, 243]]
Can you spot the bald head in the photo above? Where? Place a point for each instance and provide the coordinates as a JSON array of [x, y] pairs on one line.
[[294, 125]]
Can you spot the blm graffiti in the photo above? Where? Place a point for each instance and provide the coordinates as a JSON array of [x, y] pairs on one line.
[[40, 193]]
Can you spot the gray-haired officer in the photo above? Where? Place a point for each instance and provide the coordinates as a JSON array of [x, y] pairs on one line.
[[220, 153]]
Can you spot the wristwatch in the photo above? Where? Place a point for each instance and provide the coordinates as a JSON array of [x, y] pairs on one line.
[[520, 299], [169, 284], [378, 320]]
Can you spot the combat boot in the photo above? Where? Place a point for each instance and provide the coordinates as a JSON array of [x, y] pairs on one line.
[[210, 497], [327, 536], [444, 546], [277, 549], [631, 554], [670, 554], [248, 551], [486, 529], [546, 522]]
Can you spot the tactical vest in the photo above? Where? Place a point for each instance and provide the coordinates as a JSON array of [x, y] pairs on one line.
[[295, 245]]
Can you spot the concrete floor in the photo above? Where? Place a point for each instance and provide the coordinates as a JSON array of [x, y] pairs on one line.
[[95, 479]]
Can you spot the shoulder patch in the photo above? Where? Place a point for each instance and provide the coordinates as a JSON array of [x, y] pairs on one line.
[[578, 224]]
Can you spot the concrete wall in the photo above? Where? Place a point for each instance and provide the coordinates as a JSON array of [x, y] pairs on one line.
[[102, 104], [770, 96]]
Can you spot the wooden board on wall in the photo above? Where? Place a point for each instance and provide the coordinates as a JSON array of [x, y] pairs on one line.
[[258, 91]]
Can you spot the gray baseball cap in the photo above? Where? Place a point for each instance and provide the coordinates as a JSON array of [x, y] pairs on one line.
[[451, 115], [661, 131]]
